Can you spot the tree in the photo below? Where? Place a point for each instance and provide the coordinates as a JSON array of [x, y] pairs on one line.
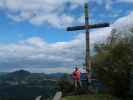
[[66, 84], [113, 63]]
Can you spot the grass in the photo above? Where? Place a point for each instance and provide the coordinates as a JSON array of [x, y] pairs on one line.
[[90, 97]]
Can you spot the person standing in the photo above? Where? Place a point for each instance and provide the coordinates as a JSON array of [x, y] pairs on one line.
[[76, 77]]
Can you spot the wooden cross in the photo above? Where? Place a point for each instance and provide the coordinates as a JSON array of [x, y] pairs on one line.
[[87, 27]]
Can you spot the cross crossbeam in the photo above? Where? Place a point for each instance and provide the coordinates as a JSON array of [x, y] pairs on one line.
[[76, 28], [87, 27]]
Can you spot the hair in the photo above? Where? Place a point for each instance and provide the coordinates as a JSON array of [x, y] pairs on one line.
[[76, 68]]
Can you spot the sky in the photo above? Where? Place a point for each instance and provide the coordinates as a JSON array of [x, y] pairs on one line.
[[33, 33]]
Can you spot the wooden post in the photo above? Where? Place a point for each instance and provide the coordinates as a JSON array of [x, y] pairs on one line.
[[88, 56], [87, 26]]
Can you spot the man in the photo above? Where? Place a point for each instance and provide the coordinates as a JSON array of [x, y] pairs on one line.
[[76, 77]]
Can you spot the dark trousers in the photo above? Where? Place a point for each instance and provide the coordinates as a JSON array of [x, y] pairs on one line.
[[77, 83]]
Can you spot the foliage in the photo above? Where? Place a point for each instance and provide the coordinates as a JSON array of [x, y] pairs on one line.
[[66, 84], [113, 63]]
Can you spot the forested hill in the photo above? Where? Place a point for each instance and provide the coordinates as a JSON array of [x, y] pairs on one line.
[[24, 85]]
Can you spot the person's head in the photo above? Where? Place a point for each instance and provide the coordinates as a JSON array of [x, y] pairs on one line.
[[76, 68]]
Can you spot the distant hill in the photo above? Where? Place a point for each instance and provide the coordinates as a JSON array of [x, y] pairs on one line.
[[3, 73], [56, 75], [22, 75], [18, 75], [21, 83]]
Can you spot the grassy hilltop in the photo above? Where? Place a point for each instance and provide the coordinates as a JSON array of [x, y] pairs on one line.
[[90, 97]]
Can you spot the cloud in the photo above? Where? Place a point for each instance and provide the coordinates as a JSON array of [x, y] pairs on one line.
[[36, 53], [109, 4], [126, 1], [40, 12], [49, 70], [124, 23], [52, 12]]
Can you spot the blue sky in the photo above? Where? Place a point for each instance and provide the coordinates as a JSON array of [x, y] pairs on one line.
[[31, 28]]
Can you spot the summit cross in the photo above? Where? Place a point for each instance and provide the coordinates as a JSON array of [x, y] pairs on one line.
[[87, 26]]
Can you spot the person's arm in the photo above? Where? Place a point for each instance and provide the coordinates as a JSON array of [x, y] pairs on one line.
[[73, 75]]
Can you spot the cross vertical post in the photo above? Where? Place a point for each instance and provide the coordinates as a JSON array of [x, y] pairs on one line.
[[87, 36]]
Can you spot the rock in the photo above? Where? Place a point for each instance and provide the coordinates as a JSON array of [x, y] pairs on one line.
[[38, 98], [58, 96]]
